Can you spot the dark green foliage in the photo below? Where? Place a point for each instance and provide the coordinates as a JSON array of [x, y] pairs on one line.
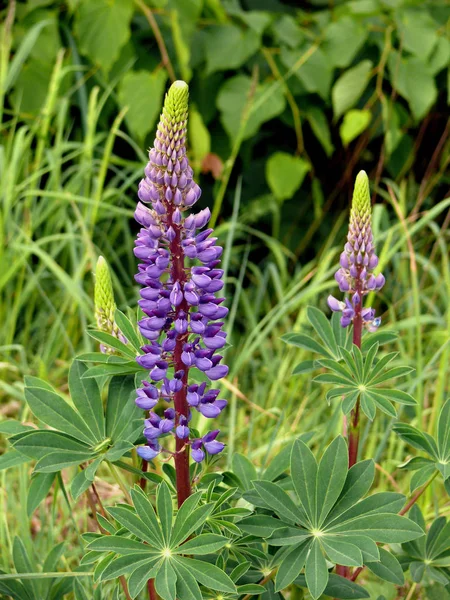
[[329, 519], [428, 558], [437, 450]]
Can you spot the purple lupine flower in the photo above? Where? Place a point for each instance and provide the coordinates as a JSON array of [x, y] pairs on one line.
[[209, 443], [355, 275], [180, 274]]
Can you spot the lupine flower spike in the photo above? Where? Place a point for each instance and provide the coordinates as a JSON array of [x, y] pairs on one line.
[[105, 306], [358, 261], [180, 275]]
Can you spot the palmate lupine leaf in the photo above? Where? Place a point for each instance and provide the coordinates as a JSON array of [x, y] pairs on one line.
[[159, 547], [82, 432], [428, 558], [332, 338], [359, 376], [437, 450], [329, 520]]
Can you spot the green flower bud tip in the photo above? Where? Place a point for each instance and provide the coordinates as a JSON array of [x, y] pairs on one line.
[[361, 207], [105, 305], [175, 108]]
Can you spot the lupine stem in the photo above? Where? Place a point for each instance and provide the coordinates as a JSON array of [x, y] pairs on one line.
[[403, 512], [178, 273]]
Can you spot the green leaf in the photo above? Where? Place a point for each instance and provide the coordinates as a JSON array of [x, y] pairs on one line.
[[397, 396], [293, 562], [305, 341], [368, 406], [368, 547], [232, 102], [38, 490], [208, 575], [38, 443], [128, 330], [124, 564], [11, 427], [316, 73], [418, 31], [228, 46], [142, 93], [260, 525], [85, 395], [342, 40], [115, 366], [386, 502], [388, 568], [102, 28], [111, 341], [206, 543], [331, 476], [244, 470], [53, 410], [253, 589], [341, 552], [164, 509], [12, 458], [279, 501], [416, 438], [443, 431], [123, 417], [119, 545], [139, 577], [348, 88], [381, 527], [304, 477], [146, 512], [285, 174], [79, 484], [412, 79], [278, 464], [383, 404], [319, 124], [288, 536], [287, 31], [56, 461], [23, 564], [133, 523], [339, 587], [189, 519], [187, 586], [323, 329], [438, 538], [355, 122], [316, 571], [199, 136]]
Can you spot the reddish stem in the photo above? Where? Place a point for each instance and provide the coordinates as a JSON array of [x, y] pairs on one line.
[[151, 590], [178, 274]]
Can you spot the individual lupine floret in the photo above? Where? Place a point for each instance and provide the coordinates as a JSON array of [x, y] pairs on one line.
[[209, 443], [180, 275], [105, 305], [358, 260]]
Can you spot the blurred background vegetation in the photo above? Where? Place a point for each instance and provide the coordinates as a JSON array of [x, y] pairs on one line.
[[289, 99]]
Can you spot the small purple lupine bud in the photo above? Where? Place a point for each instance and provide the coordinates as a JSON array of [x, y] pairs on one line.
[[150, 451], [178, 297], [358, 260], [211, 445], [182, 429], [196, 450]]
